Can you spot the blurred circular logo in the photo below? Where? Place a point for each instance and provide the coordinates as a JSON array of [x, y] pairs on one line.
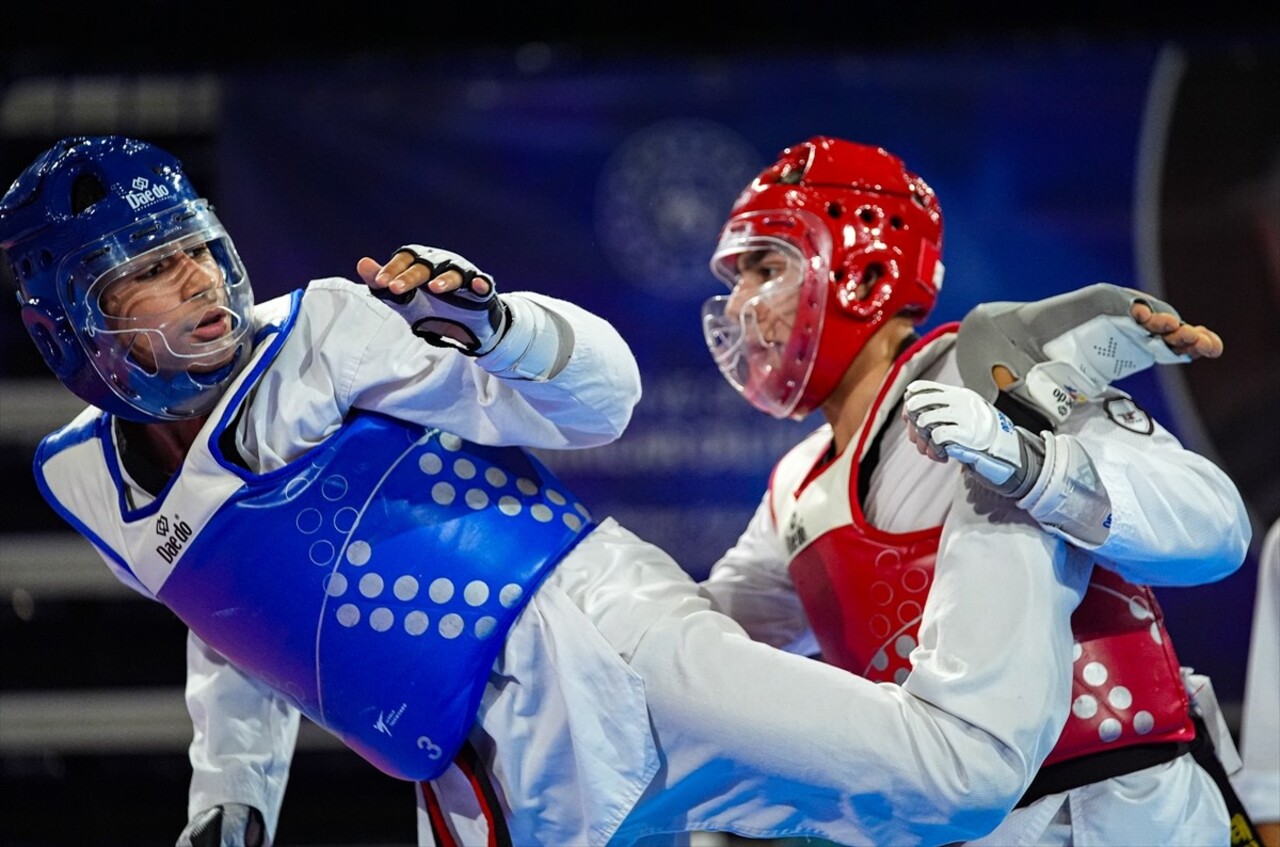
[[662, 198]]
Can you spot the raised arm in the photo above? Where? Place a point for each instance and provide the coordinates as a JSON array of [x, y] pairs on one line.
[[1039, 422], [568, 365]]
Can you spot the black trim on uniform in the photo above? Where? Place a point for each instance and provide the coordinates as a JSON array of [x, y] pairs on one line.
[[871, 458]]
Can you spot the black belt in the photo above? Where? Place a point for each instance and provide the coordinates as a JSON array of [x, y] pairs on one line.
[[1243, 831], [1096, 767]]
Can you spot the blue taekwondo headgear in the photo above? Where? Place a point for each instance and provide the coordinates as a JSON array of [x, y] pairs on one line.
[[91, 211]]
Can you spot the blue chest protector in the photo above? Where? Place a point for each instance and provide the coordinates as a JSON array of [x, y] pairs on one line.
[[374, 585], [371, 581]]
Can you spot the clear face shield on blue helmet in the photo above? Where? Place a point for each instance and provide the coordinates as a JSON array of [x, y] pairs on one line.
[[165, 307]]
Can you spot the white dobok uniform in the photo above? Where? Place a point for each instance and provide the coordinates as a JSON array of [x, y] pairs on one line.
[[621, 707], [1258, 782], [1176, 519]]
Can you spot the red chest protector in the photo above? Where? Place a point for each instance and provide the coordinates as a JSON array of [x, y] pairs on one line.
[[864, 597], [864, 590]]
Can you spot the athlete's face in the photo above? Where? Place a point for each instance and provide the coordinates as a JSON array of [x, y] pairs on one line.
[[765, 290], [171, 314]]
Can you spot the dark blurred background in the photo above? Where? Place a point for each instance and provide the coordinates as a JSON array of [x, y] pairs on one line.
[[592, 154]]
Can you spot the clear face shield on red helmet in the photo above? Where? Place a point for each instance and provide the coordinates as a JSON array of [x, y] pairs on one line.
[[764, 334]]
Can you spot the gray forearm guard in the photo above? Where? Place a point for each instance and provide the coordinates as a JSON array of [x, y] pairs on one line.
[[1069, 498], [1024, 478]]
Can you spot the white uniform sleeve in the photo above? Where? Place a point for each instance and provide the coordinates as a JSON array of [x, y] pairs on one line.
[[1258, 783], [350, 350], [589, 402], [1176, 518], [244, 737], [750, 584]]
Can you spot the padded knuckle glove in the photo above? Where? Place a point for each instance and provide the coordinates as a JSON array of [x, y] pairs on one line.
[[460, 319]]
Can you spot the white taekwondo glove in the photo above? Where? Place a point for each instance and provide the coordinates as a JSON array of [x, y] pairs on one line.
[[510, 337], [950, 421], [228, 825], [1049, 476]]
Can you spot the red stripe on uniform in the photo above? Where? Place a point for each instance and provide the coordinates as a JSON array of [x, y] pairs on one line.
[[443, 837]]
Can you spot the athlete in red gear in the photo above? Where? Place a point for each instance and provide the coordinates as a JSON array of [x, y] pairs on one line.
[[832, 256]]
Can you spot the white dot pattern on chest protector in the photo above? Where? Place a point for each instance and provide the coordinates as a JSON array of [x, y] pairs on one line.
[[345, 520], [1085, 706], [308, 521], [371, 585], [381, 619], [334, 487], [900, 596], [416, 623], [335, 585], [358, 553], [321, 552], [439, 608], [441, 590], [475, 593], [1096, 678], [406, 588]]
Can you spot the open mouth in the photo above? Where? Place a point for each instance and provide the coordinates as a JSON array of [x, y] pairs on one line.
[[761, 360], [213, 324]]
